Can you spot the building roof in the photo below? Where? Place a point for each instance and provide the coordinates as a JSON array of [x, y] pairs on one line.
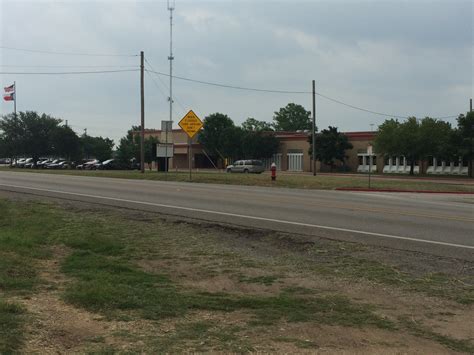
[[290, 134]]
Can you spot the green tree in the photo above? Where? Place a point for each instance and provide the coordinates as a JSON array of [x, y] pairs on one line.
[[129, 147], [11, 133], [331, 146], [29, 133], [395, 138], [436, 139], [386, 141], [415, 140], [251, 124], [292, 118], [65, 143], [96, 147], [217, 135], [465, 139], [257, 143]]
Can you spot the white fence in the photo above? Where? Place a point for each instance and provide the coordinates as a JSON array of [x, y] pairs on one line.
[[295, 161]]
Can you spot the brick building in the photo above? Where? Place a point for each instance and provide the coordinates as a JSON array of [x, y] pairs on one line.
[[293, 155]]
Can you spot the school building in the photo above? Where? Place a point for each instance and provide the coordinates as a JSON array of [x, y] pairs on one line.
[[293, 155]]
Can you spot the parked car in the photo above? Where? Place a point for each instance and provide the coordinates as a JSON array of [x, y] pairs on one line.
[[90, 165], [30, 164], [42, 163], [61, 164], [17, 161], [52, 164], [110, 164], [5, 161], [246, 166], [22, 162]]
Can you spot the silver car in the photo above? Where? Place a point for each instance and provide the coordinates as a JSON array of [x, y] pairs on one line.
[[246, 166]]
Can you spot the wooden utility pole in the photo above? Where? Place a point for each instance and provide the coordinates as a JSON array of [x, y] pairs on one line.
[[314, 129], [469, 165], [142, 104]]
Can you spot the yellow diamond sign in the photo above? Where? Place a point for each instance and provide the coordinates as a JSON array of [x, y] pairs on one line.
[[191, 124]]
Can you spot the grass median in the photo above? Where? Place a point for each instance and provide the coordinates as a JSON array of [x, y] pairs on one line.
[[323, 182], [121, 280]]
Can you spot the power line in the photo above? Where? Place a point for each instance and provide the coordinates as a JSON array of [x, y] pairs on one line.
[[67, 66], [232, 86], [291, 92], [68, 53], [70, 72], [164, 84]]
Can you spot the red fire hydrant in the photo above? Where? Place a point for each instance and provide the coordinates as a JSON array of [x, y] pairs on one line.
[[273, 169]]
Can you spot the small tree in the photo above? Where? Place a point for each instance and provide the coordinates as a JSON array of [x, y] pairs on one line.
[[217, 135], [331, 146], [293, 117], [129, 147]]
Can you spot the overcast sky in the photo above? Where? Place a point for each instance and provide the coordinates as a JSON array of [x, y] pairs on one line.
[[398, 57]]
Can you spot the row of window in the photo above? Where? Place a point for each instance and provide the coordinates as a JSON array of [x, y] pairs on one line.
[[364, 160]]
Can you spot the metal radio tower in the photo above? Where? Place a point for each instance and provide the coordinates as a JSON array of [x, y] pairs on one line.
[[171, 5]]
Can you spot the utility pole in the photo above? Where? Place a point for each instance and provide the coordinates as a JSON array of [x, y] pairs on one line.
[[170, 58], [142, 104], [314, 128], [469, 165]]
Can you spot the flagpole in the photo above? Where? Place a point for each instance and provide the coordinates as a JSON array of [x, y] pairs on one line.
[[14, 99]]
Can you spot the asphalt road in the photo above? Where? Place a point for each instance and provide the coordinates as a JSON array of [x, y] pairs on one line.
[[440, 224]]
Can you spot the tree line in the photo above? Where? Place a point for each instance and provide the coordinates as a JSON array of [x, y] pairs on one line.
[[418, 140], [253, 139], [29, 134]]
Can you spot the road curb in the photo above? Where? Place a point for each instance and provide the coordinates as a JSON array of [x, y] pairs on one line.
[[399, 190]]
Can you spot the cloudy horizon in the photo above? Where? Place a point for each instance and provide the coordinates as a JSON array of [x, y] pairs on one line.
[[407, 58]]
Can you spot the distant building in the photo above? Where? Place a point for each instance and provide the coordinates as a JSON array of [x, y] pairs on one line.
[[293, 155]]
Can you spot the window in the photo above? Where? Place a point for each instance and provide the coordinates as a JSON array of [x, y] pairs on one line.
[[361, 160], [464, 162], [430, 161], [374, 160]]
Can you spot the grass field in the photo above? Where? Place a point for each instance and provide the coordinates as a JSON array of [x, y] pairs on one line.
[[81, 278], [284, 180]]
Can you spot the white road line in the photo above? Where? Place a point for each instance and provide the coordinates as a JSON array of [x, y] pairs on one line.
[[244, 216]]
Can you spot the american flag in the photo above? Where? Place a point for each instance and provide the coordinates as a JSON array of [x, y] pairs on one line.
[[9, 97], [10, 88]]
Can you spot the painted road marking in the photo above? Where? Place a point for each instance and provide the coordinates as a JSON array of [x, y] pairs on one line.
[[191, 209]]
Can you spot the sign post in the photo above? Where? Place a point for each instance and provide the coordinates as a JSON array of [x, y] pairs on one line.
[[167, 127], [191, 124], [369, 152]]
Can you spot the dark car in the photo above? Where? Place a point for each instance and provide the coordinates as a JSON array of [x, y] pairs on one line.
[[5, 161], [110, 164]]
